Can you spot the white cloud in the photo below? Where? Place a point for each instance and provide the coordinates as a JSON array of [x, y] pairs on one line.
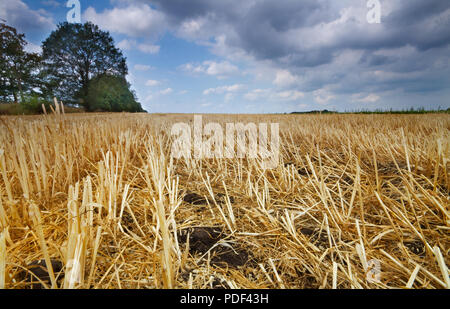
[[320, 45], [189, 67], [148, 48], [228, 97], [148, 98], [270, 94], [166, 91], [224, 89], [371, 98], [256, 94], [134, 20], [290, 95], [192, 28], [20, 16], [33, 48], [53, 3], [142, 67], [152, 83], [126, 44], [130, 78], [218, 69], [323, 96], [284, 78]]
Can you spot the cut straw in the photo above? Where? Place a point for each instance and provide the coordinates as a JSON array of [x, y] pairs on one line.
[[2, 260], [36, 216]]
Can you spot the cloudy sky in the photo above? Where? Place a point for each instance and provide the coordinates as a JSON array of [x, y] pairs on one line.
[[265, 56]]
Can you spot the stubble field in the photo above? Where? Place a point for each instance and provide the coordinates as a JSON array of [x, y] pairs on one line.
[[356, 201]]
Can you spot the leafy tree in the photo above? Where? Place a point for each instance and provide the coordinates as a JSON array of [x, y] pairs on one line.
[[111, 93], [74, 54], [32, 104], [18, 69]]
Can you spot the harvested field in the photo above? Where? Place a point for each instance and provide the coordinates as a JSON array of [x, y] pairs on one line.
[[98, 197]]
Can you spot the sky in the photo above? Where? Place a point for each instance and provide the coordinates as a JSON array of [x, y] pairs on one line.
[[267, 56]]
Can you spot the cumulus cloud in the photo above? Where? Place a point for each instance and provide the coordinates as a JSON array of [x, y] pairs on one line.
[[324, 49], [19, 15], [152, 83], [311, 45], [256, 94], [130, 78], [148, 48], [290, 95], [224, 89], [166, 91], [142, 67], [127, 44], [33, 48], [218, 69], [136, 20], [323, 96], [228, 97], [272, 95], [52, 3], [192, 29], [370, 98], [284, 78]]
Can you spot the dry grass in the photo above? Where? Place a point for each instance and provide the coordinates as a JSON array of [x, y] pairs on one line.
[[99, 195]]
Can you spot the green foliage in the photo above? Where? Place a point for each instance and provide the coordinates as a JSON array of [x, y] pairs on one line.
[[79, 65], [325, 111], [32, 104], [73, 54], [18, 69], [412, 110], [29, 105], [111, 93]]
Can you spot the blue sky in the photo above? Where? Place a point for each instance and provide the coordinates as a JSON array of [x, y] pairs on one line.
[[266, 56]]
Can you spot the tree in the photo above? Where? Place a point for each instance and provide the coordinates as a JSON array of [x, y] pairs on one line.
[[18, 69], [112, 94], [73, 54]]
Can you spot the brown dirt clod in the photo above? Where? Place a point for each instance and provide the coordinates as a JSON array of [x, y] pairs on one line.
[[203, 239], [39, 269]]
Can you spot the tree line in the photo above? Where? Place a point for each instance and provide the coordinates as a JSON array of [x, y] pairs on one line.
[[79, 64]]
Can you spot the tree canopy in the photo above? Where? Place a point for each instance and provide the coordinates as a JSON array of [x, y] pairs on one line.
[[18, 69], [73, 54], [79, 64], [112, 94]]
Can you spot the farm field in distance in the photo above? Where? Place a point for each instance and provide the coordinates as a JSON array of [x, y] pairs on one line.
[[356, 201]]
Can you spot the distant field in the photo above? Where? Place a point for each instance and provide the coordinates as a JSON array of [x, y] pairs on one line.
[[98, 197]]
